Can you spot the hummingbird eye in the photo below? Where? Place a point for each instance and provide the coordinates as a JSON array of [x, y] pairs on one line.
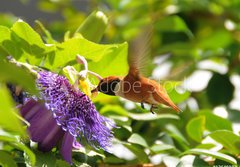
[[107, 87]]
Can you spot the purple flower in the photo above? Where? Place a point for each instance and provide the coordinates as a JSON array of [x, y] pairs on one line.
[[65, 115]]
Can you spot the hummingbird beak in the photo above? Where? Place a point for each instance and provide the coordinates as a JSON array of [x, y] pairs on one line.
[[94, 90]]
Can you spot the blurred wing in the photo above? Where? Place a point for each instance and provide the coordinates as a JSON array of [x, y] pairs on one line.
[[139, 51]]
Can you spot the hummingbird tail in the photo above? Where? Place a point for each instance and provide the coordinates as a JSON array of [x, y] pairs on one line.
[[176, 108]]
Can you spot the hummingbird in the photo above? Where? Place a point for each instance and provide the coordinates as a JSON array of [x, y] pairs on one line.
[[134, 86]]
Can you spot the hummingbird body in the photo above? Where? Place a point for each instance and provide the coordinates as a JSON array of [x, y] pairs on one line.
[[136, 88]]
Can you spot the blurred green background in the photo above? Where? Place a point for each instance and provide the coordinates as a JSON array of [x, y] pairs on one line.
[[193, 50]]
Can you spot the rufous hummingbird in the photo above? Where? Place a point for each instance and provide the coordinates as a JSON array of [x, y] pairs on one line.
[[136, 87]]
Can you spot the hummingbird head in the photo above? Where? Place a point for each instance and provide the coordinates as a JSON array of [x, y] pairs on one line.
[[107, 85]]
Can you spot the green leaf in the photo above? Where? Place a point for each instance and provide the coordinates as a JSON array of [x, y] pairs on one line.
[[18, 145], [61, 163], [220, 82], [24, 31], [44, 159], [200, 162], [228, 139], [16, 75], [173, 23], [94, 26], [171, 88], [150, 117], [139, 152], [214, 122], [177, 135], [112, 160], [178, 97], [195, 128], [105, 58], [214, 154], [6, 160], [114, 109], [211, 40], [206, 146], [114, 57], [159, 148], [137, 139], [5, 34], [25, 44], [8, 119], [49, 38]]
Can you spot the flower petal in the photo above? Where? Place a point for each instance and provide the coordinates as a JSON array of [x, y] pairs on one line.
[[29, 109], [51, 139], [43, 127], [66, 149]]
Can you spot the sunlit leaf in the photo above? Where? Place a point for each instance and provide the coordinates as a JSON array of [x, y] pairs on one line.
[[228, 139], [195, 128], [214, 154], [206, 146], [94, 26], [214, 122], [25, 44], [178, 97], [49, 39], [8, 119], [114, 109], [158, 148], [106, 58], [137, 139], [115, 56], [5, 34]]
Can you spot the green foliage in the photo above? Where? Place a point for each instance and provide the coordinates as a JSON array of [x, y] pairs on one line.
[[94, 33], [16, 75], [12, 141], [137, 139], [24, 44], [184, 34], [214, 122], [220, 82], [195, 128], [228, 139], [45, 159], [214, 154], [9, 113], [6, 160]]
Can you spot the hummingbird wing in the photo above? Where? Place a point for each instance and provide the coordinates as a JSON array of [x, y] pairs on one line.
[[139, 51]]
